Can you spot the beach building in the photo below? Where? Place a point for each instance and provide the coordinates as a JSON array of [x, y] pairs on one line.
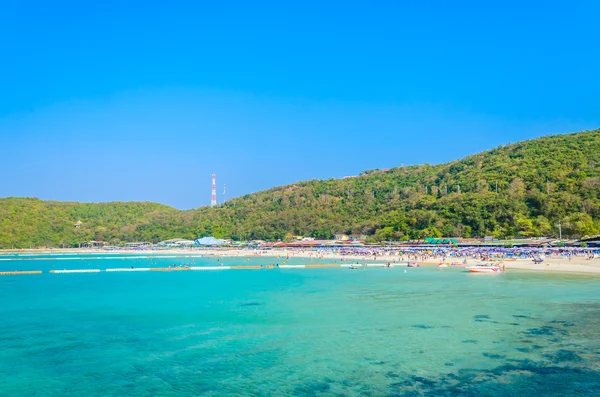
[[175, 243], [138, 244], [209, 241], [591, 241], [342, 237], [357, 237], [303, 243], [256, 243], [436, 241], [92, 244], [480, 242]]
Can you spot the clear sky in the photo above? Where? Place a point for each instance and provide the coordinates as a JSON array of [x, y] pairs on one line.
[[125, 100]]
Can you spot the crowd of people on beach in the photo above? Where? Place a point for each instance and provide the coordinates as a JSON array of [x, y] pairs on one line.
[[425, 254], [481, 253]]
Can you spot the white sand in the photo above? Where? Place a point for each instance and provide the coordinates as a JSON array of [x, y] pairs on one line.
[[551, 264]]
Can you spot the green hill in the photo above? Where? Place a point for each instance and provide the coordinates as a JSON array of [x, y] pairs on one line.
[[514, 190], [26, 222], [521, 189]]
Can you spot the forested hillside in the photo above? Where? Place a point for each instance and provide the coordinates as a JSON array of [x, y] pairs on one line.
[[26, 222], [521, 189], [515, 190]]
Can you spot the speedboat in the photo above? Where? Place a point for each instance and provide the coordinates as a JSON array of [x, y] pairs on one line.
[[353, 267], [484, 268]]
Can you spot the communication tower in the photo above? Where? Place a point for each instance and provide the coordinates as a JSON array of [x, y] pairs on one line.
[[213, 198]]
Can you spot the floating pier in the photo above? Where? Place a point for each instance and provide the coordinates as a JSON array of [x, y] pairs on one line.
[[385, 264], [246, 267], [322, 266], [20, 272], [97, 258], [168, 269], [210, 268], [205, 268]]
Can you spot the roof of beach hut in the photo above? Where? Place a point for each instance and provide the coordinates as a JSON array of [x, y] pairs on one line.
[[209, 241]]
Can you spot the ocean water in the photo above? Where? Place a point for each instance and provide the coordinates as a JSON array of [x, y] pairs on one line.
[[294, 332]]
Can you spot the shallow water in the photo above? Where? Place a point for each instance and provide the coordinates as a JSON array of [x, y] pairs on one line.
[[295, 332]]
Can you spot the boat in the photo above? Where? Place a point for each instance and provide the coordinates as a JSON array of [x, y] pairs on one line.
[[538, 259], [412, 264], [443, 265], [353, 267], [458, 264], [485, 268]]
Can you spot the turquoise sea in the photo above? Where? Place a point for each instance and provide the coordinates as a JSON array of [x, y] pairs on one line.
[[294, 332]]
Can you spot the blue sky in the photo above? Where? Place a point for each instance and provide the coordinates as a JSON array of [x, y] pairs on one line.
[[144, 100]]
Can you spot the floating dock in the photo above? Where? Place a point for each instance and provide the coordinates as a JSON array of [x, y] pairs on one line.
[[206, 268], [97, 258], [246, 267], [20, 272], [322, 266], [209, 267]]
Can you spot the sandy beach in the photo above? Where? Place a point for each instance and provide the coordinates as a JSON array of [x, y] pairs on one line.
[[576, 264]]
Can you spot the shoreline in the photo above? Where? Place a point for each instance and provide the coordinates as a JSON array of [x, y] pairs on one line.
[[577, 265]]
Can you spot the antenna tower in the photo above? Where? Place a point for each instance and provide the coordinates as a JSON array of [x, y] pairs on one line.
[[213, 198]]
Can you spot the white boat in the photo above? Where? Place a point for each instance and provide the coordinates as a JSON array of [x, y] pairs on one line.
[[485, 268]]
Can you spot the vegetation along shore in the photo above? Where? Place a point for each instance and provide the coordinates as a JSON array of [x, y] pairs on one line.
[[521, 189]]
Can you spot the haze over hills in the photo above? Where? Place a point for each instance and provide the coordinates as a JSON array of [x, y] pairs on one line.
[[521, 189]]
